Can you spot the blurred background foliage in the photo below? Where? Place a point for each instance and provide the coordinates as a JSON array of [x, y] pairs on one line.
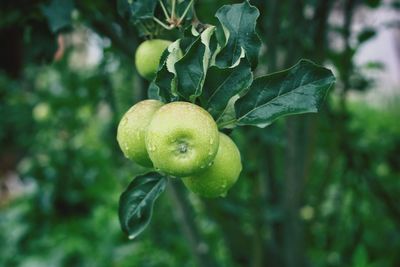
[[316, 190]]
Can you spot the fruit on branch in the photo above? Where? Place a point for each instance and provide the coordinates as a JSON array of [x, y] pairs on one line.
[[182, 139], [132, 130], [217, 179], [148, 56]]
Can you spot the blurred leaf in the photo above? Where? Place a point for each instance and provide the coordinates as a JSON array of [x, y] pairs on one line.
[[360, 82], [376, 65], [223, 84], [58, 14], [136, 202], [365, 35], [40, 43], [123, 8], [300, 89], [192, 68], [360, 257], [373, 3], [396, 4], [238, 22]]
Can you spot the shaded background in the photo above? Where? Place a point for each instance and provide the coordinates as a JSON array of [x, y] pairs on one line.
[[316, 190]]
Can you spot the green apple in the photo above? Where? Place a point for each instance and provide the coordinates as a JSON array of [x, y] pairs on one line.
[[148, 56], [217, 179], [182, 139], [132, 130]]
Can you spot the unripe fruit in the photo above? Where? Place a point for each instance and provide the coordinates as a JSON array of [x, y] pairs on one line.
[[132, 130], [147, 57], [182, 139], [216, 180]]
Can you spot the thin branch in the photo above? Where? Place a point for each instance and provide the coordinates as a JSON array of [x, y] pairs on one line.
[[195, 18], [165, 26], [185, 12], [165, 10], [173, 9], [184, 215]]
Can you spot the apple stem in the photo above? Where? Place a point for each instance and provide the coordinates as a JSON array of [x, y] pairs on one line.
[[195, 18], [163, 24], [185, 12], [164, 10], [173, 10]]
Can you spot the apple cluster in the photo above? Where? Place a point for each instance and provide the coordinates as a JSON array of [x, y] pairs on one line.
[[180, 139]]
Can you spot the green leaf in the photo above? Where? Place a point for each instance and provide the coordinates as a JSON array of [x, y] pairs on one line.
[[192, 68], [123, 8], [222, 85], [366, 35], [137, 9], [300, 89], [163, 86], [373, 3], [238, 23], [136, 203], [360, 257], [143, 9], [58, 14]]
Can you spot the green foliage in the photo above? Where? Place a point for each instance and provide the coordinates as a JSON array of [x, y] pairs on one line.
[[222, 85], [57, 133], [297, 90], [58, 14], [235, 101], [191, 70], [238, 23], [136, 203]]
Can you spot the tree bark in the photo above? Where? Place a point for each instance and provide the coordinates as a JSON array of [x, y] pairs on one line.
[[183, 211]]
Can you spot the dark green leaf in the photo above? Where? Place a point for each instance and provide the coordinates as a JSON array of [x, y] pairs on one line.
[[365, 35], [373, 3], [238, 22], [58, 14], [163, 86], [160, 88], [123, 8], [223, 84], [139, 9], [192, 68], [300, 89], [136, 203]]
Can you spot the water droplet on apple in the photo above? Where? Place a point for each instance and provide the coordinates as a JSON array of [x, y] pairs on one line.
[[223, 185], [125, 146]]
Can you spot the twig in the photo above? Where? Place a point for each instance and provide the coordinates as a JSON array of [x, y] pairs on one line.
[[162, 24], [185, 12], [165, 10], [173, 10], [195, 18], [182, 211]]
